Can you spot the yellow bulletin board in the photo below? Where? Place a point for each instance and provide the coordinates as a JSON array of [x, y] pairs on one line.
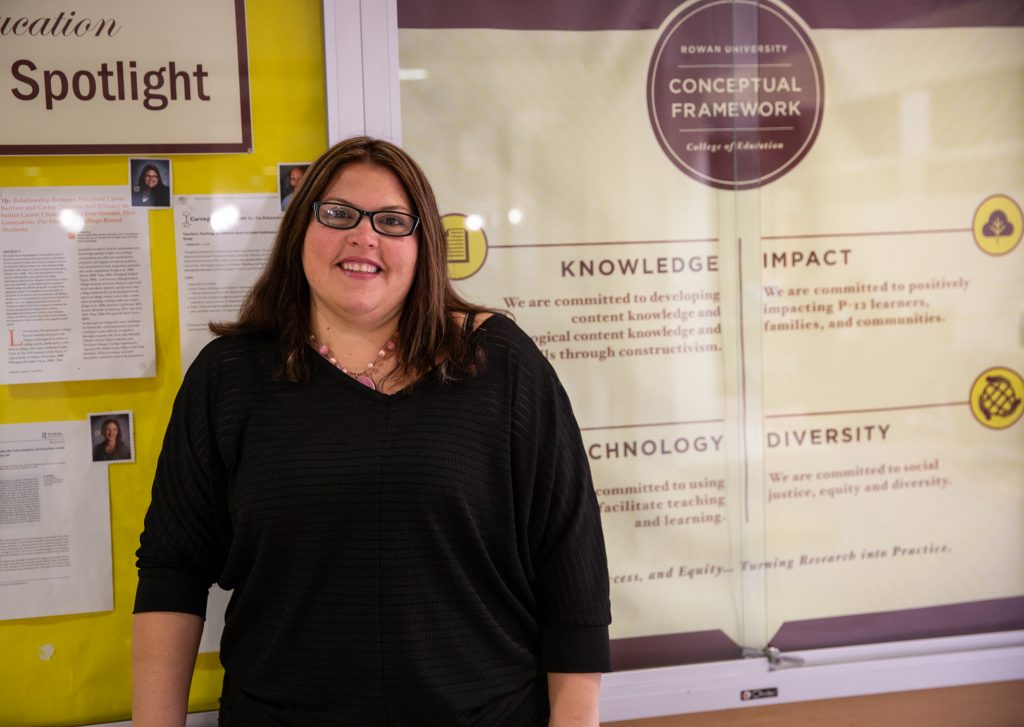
[[86, 676]]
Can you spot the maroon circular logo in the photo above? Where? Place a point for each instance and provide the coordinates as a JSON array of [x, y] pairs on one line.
[[735, 92]]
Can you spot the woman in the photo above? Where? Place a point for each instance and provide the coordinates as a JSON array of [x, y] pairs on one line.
[[112, 447], [390, 480], [150, 190]]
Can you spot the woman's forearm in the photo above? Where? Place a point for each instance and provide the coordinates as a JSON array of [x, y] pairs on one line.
[[574, 699], [164, 648]]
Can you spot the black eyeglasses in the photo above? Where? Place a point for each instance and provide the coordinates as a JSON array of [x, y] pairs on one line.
[[345, 217]]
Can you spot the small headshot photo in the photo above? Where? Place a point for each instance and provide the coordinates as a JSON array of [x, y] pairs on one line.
[[288, 178], [112, 437], [150, 181]]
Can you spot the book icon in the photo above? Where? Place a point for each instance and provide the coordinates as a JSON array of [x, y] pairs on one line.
[[457, 240]]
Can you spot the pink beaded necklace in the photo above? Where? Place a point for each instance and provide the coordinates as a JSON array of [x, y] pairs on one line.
[[363, 377]]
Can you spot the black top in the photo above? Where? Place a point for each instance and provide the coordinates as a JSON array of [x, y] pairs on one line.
[[421, 558]]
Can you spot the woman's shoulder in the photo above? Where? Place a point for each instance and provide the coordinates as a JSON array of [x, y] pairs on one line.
[[465, 319], [235, 343], [499, 331], [499, 325], [236, 353]]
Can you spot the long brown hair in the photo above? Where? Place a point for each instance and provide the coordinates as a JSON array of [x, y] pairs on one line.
[[428, 333]]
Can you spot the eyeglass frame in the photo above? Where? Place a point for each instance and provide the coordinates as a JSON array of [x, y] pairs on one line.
[[366, 213]]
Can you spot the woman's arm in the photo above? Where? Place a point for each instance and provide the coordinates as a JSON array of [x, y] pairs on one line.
[[164, 648], [574, 699]]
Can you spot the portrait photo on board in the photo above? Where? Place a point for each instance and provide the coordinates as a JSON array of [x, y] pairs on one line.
[[150, 182], [113, 436], [288, 178]]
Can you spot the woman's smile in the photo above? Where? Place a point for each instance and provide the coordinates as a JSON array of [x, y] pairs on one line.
[[359, 266]]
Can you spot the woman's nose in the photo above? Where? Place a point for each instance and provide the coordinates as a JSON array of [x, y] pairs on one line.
[[363, 233]]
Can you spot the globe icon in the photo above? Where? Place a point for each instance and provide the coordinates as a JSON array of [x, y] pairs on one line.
[[998, 398]]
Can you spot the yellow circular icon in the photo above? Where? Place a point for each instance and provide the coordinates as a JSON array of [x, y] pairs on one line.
[[466, 243], [997, 397], [998, 224]]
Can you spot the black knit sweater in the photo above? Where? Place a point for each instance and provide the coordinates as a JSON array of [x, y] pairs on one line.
[[421, 558]]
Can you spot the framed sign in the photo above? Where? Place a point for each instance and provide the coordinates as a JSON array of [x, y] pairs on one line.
[[108, 77]]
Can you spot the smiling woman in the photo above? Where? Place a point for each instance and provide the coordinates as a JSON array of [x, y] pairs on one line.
[[353, 287], [389, 478], [360, 270]]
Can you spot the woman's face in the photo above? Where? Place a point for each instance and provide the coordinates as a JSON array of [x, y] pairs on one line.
[[151, 178], [358, 276], [110, 432]]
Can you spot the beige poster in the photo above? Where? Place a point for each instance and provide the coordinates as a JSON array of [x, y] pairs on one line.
[[800, 398], [113, 77]]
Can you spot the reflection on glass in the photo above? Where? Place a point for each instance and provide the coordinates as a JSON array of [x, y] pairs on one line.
[[71, 221], [224, 218], [413, 74]]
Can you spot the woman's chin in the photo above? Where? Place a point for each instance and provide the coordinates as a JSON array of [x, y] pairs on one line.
[[363, 312]]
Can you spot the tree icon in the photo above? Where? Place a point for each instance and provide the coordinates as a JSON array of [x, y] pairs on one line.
[[997, 226]]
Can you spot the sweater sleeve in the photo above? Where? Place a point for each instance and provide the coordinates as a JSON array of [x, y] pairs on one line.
[[186, 534], [564, 532]]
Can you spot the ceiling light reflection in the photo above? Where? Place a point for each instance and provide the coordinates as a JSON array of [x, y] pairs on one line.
[[224, 218], [71, 221]]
